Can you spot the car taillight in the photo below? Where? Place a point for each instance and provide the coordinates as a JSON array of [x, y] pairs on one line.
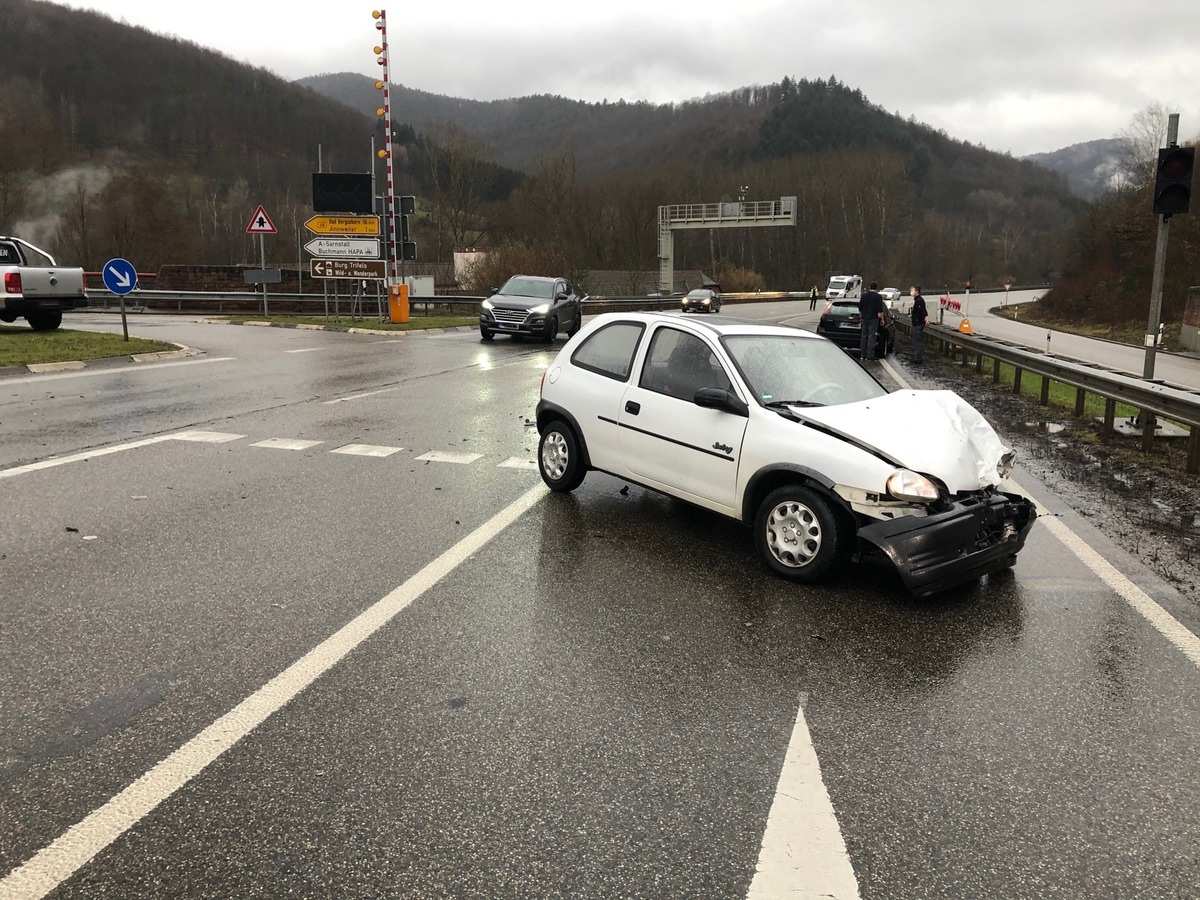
[[12, 282]]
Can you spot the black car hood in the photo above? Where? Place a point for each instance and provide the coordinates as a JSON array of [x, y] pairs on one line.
[[505, 301]]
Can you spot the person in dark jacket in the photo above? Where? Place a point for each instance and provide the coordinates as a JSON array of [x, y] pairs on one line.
[[871, 311], [920, 315], [813, 298]]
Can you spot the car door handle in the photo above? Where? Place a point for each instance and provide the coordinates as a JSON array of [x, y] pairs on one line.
[[632, 408]]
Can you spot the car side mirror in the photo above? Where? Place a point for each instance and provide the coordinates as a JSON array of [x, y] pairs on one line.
[[719, 398], [562, 295], [493, 291]]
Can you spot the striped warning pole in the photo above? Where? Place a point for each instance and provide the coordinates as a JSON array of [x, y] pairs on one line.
[[397, 294]]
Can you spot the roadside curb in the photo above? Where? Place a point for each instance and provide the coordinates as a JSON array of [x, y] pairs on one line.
[[112, 361], [346, 329]]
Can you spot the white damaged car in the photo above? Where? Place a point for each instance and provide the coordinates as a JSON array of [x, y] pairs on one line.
[[780, 429]]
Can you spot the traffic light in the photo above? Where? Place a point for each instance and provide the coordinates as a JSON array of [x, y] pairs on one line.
[[1173, 184]]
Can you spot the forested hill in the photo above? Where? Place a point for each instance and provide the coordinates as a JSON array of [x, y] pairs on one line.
[[605, 136], [794, 117]]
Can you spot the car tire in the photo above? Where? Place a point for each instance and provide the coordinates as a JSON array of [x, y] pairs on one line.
[[560, 459], [551, 330], [486, 334], [797, 534], [45, 321]]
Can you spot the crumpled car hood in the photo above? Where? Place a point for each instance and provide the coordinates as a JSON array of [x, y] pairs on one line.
[[935, 433]]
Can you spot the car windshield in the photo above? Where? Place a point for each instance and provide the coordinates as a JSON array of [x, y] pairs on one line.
[[699, 295], [781, 369], [528, 287], [838, 284]]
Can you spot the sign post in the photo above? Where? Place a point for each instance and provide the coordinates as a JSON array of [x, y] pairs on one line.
[[120, 277], [261, 224]]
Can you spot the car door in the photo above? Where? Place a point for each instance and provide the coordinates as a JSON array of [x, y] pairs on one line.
[[666, 440]]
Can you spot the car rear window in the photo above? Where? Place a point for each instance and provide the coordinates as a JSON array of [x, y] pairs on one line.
[[610, 350]]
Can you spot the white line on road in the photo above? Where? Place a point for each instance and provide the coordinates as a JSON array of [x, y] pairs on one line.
[[80, 457], [367, 450], [286, 444], [803, 854], [118, 370], [459, 459], [305, 350], [55, 863], [359, 396]]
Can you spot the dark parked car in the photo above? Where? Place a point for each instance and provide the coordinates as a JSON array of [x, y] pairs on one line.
[[531, 305], [701, 300], [841, 324]]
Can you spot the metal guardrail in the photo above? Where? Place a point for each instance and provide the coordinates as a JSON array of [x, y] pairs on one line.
[[1175, 402]]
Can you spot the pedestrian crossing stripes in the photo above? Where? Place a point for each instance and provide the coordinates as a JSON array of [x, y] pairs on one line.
[[367, 450]]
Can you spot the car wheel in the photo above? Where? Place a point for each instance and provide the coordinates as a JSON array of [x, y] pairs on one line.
[[797, 534], [551, 330], [45, 321], [559, 458], [486, 334]]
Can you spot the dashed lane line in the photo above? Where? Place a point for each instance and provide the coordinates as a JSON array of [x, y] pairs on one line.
[[286, 444], [367, 450], [462, 459]]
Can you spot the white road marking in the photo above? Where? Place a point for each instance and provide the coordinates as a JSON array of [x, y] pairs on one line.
[[803, 854], [515, 462], [462, 459], [305, 350], [286, 444], [1162, 621], [118, 370], [55, 863], [80, 457], [359, 396], [366, 450], [206, 437]]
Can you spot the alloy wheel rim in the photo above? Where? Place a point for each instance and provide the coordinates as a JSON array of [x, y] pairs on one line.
[[793, 534], [554, 455]]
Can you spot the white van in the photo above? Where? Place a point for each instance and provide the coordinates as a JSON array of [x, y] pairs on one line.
[[844, 287]]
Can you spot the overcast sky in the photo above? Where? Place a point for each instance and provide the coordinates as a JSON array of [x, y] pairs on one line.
[[1022, 76]]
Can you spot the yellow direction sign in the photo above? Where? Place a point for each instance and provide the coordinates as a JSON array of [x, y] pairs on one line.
[[343, 225]]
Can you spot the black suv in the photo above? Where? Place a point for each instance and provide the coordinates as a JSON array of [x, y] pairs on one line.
[[841, 324], [531, 305]]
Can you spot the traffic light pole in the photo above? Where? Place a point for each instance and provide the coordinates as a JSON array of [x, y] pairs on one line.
[[1147, 418], [1160, 266]]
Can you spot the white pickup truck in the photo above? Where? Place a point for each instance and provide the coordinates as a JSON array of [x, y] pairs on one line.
[[39, 294]]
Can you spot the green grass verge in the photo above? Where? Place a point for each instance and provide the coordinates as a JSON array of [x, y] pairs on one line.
[[415, 323], [22, 346]]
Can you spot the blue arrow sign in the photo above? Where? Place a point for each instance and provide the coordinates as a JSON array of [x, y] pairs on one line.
[[120, 276]]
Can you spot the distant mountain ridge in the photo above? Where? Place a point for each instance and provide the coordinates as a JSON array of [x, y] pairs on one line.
[[1092, 168]]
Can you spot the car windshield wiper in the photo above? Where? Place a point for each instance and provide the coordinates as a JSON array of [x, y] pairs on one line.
[[783, 404]]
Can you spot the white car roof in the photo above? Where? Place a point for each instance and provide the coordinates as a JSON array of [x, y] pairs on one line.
[[723, 326]]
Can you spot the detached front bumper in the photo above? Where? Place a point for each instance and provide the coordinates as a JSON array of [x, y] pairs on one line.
[[977, 537]]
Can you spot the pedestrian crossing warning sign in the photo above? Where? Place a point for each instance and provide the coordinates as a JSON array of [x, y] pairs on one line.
[[260, 223]]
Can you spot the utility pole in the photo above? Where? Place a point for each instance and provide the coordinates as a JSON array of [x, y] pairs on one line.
[[1160, 266]]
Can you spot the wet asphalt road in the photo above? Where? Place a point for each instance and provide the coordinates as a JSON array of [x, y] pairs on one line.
[[597, 702]]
